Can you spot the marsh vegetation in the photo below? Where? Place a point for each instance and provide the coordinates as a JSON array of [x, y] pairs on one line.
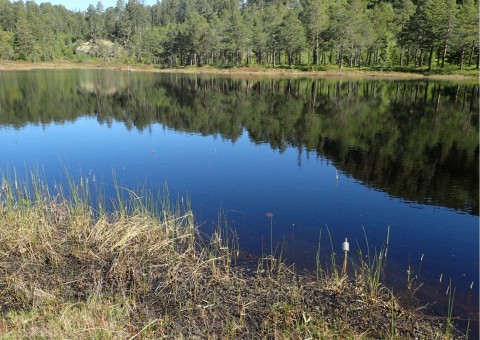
[[283, 157], [69, 269]]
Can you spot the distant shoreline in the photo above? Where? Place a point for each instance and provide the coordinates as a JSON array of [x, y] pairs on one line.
[[249, 71]]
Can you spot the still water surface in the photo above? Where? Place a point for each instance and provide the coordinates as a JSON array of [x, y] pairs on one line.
[[405, 154]]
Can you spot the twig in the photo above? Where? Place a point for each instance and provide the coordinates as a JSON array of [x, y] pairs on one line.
[[144, 328]]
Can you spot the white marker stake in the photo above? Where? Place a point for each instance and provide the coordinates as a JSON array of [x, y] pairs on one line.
[[345, 248]]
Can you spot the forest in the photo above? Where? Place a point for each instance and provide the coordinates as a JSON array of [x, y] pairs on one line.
[[313, 34]]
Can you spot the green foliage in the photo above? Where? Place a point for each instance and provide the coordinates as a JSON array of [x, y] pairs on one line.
[[465, 38], [292, 35], [24, 42], [315, 17], [304, 33], [6, 45]]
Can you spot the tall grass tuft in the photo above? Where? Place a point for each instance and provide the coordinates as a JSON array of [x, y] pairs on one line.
[[59, 253], [73, 269], [370, 270], [318, 261], [335, 272], [450, 299]]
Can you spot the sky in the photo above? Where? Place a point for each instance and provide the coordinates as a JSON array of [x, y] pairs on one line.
[[82, 5]]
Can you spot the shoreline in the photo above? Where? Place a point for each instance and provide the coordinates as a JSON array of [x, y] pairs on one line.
[[65, 269], [245, 71]]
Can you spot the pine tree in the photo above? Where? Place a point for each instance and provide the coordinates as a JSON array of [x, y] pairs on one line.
[[6, 45], [403, 10], [24, 42], [466, 31], [291, 35], [315, 18]]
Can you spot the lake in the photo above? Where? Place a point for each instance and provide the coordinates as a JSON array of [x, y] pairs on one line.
[[320, 159]]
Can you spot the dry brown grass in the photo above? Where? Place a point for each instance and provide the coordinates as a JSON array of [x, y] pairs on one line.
[[67, 271]]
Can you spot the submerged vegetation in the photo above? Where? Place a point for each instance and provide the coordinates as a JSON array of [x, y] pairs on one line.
[[70, 269]]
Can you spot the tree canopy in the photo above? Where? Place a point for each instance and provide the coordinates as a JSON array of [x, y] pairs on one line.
[[173, 33]]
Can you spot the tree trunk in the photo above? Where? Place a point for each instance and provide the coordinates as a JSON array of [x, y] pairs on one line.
[[340, 58], [471, 55], [430, 59], [444, 55], [401, 56]]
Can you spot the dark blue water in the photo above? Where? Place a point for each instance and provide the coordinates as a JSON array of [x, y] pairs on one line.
[[249, 172]]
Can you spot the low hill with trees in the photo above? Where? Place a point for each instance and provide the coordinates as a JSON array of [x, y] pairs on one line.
[[397, 34]]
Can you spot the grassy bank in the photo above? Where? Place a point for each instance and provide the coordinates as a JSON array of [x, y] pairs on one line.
[[71, 270], [252, 71]]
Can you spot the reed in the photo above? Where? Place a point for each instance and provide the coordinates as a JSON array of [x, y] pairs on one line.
[[370, 270], [450, 300], [318, 262], [70, 269], [392, 325], [333, 263]]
